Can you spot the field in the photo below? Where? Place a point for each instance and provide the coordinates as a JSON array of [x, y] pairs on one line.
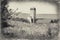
[[39, 31], [30, 30]]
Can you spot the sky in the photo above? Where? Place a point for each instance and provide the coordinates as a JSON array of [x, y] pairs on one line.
[[41, 7]]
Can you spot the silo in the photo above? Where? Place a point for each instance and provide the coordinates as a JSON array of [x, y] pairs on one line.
[[33, 14]]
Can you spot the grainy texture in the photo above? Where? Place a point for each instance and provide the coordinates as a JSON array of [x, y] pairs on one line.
[[19, 27]]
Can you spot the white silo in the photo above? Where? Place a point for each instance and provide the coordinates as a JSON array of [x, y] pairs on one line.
[[33, 14]]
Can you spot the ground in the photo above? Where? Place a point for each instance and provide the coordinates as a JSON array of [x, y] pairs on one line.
[[24, 30]]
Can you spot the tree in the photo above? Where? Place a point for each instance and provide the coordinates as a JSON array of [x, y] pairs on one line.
[[4, 13]]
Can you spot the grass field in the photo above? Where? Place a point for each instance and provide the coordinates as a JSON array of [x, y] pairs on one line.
[[30, 30]]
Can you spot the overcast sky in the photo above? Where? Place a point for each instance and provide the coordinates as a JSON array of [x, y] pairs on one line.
[[41, 7]]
